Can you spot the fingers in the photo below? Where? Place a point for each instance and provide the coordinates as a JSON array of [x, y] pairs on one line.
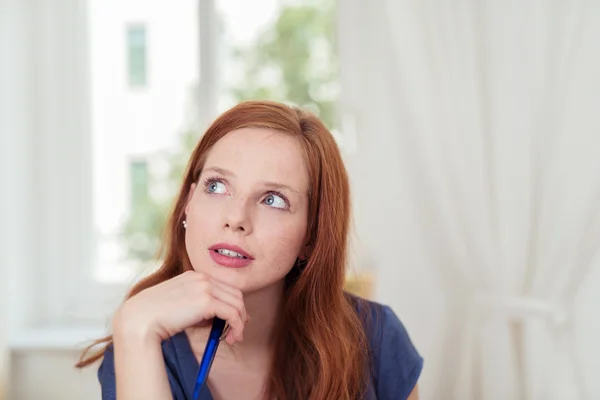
[[230, 314], [231, 296], [240, 312], [225, 302]]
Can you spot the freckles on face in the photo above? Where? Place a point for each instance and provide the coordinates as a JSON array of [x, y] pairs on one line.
[[252, 194], [285, 240]]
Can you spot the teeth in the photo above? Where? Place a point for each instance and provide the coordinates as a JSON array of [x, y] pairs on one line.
[[229, 253]]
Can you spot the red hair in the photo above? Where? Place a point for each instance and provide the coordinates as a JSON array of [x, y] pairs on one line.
[[321, 348]]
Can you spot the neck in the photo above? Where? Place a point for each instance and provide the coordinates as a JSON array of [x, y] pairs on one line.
[[263, 308]]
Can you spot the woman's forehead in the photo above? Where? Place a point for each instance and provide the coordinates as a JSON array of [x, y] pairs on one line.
[[261, 154]]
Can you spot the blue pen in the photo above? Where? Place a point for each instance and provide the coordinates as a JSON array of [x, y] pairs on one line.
[[209, 355]]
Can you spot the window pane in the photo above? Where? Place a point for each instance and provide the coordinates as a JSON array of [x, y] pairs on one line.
[[139, 178], [135, 43], [136, 49]]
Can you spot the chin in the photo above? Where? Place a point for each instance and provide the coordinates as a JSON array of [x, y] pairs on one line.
[[236, 277], [244, 279], [246, 284]]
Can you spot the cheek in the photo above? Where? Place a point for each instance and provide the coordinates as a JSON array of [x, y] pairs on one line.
[[284, 240], [205, 209], [203, 217]]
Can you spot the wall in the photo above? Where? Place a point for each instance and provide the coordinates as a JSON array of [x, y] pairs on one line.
[[12, 99], [49, 375]]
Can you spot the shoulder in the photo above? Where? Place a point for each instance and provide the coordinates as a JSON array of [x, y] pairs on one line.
[[396, 363], [106, 372]]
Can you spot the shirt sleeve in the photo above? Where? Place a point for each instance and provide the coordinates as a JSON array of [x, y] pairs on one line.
[[399, 364], [106, 376]]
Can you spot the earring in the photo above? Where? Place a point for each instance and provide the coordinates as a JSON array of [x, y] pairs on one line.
[[184, 224]]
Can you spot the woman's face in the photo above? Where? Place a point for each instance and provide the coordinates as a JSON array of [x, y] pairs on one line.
[[247, 214]]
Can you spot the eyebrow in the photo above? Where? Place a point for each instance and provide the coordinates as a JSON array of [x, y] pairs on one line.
[[271, 185], [219, 171]]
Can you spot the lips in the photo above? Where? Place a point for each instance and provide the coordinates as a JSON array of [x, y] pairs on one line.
[[230, 256], [229, 248]]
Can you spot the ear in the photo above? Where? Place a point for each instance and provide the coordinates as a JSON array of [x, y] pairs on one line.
[[189, 197], [304, 252]]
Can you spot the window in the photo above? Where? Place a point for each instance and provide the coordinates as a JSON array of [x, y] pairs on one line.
[[139, 181], [136, 56], [267, 49], [99, 229], [135, 132]]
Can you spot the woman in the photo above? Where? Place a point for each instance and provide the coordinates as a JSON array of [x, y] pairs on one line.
[[258, 238]]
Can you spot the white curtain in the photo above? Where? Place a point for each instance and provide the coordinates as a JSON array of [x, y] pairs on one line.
[[478, 141]]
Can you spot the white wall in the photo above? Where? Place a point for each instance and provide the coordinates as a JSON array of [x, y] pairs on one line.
[[13, 99], [49, 375], [28, 122]]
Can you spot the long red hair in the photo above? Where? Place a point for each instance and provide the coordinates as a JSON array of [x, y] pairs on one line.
[[321, 350]]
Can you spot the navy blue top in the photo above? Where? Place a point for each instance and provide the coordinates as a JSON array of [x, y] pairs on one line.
[[396, 363]]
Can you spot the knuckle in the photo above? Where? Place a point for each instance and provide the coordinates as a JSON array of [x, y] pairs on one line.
[[233, 313], [240, 305], [208, 299]]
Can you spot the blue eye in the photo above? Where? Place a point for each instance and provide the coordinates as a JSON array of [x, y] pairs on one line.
[[276, 201], [216, 187]]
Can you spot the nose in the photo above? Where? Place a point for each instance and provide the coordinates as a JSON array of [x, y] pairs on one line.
[[238, 217]]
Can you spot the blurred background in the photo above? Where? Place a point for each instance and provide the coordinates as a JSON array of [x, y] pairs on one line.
[[470, 129]]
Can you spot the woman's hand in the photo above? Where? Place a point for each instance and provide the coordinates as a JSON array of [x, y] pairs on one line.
[[189, 299]]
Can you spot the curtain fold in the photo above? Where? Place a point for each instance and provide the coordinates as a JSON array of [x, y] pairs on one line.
[[485, 117]]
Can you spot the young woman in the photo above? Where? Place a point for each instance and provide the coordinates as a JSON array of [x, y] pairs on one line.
[[258, 238]]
